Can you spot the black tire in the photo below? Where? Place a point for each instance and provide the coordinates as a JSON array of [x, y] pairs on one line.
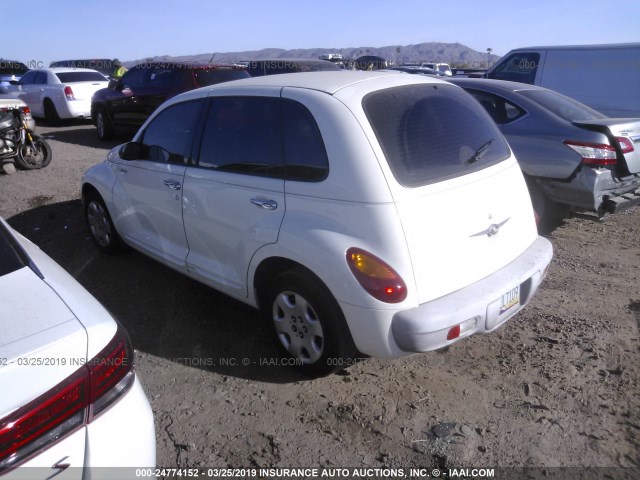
[[50, 113], [34, 155], [104, 127], [549, 214], [307, 322], [101, 228]]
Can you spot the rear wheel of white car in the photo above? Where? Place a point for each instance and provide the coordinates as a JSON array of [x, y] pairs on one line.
[[50, 113], [104, 126], [308, 323], [100, 225]]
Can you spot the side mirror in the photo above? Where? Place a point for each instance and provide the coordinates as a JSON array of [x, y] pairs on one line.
[[133, 151]]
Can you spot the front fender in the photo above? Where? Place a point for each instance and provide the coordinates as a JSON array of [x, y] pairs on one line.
[[102, 178]]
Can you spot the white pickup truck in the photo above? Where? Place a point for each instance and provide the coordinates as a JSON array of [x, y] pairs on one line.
[[58, 93]]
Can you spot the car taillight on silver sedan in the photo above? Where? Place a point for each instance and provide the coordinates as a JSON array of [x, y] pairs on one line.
[[594, 154], [71, 404]]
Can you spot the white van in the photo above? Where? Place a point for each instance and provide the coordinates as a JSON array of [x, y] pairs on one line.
[[604, 77]]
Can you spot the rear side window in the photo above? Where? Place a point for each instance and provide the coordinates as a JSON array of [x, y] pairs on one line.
[[519, 67], [501, 110], [305, 154], [71, 77], [431, 133], [243, 135]]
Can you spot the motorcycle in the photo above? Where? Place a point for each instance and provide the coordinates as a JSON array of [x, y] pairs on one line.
[[18, 144]]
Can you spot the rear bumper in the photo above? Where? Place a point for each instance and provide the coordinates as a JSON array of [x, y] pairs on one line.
[[396, 333], [476, 307], [76, 109], [595, 190], [619, 203]]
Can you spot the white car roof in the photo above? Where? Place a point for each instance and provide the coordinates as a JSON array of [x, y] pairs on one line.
[[327, 82]]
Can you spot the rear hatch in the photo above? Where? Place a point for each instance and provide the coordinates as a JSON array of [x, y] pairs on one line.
[[41, 341], [620, 128], [460, 195], [40, 338], [83, 83]]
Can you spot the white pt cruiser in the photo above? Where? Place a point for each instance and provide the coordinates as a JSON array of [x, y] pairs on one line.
[[376, 212]]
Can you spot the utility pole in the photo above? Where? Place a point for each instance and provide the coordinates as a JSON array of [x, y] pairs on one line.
[[489, 50]]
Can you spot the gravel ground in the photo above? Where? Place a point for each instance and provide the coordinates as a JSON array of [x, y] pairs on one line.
[[558, 386]]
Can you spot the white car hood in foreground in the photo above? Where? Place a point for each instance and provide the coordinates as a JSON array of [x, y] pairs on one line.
[[41, 340]]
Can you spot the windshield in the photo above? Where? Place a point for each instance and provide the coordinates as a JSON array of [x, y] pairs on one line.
[[431, 133], [9, 67], [564, 107]]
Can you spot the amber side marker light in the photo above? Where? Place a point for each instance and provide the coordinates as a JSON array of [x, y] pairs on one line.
[[379, 280]]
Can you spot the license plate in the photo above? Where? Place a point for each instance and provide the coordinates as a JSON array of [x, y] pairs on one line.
[[510, 300]]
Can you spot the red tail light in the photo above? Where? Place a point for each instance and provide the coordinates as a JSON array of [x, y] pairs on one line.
[[69, 93], [376, 277], [594, 154], [26, 110], [72, 403], [625, 144]]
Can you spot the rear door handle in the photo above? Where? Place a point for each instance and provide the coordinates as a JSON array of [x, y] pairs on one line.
[[266, 204], [173, 185]]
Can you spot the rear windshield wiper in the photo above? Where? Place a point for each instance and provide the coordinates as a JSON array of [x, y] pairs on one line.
[[480, 152]]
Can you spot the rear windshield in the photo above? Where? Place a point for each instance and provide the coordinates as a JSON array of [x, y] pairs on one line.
[[431, 133], [72, 77], [10, 67], [564, 107], [10, 260], [205, 77]]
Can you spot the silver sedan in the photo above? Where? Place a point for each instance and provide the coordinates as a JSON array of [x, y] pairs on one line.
[[573, 157]]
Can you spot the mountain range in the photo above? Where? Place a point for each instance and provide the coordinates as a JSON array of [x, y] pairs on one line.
[[455, 54]]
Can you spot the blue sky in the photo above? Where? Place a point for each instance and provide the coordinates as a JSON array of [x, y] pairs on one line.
[[46, 30]]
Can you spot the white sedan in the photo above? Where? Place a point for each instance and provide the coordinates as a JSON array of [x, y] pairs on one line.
[[58, 93], [70, 395]]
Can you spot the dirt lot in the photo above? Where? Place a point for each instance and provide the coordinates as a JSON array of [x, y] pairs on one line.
[[558, 386]]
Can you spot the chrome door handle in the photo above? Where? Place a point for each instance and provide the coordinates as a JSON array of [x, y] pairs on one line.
[[266, 204], [173, 185]]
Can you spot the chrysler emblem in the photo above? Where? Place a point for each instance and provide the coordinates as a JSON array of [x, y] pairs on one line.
[[492, 230]]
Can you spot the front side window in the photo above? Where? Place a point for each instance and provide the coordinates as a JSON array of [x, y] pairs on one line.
[[243, 135], [169, 136], [431, 133], [519, 67]]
